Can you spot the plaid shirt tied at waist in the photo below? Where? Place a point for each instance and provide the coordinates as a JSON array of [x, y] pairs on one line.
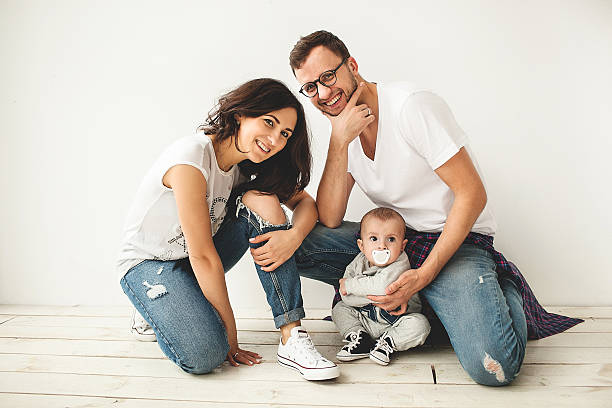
[[540, 323]]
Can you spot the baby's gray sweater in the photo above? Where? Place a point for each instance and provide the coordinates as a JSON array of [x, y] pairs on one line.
[[363, 279]]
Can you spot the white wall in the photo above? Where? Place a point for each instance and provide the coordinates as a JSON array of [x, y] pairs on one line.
[[92, 91]]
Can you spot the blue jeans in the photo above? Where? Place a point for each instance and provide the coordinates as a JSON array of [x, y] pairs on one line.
[[481, 311], [188, 328]]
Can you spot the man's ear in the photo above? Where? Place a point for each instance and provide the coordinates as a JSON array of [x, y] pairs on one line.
[[353, 66]]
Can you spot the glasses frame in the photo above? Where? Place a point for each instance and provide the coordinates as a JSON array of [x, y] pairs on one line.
[[330, 71]]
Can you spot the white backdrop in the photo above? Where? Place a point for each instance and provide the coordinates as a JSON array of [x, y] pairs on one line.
[[92, 91]]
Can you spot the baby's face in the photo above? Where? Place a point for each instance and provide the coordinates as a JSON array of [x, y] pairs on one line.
[[379, 235]]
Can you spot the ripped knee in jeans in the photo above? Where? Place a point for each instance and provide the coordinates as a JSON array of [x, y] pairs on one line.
[[265, 208]]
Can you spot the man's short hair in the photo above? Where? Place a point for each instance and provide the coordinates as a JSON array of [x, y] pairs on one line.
[[383, 214], [302, 48]]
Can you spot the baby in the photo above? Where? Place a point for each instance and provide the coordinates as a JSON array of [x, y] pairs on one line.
[[381, 261]]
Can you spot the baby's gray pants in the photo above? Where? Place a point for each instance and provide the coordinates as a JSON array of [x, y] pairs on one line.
[[408, 331]]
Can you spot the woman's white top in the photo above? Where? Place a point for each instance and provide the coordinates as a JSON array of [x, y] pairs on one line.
[[152, 229]]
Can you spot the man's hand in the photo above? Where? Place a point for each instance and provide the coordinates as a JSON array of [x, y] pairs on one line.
[[280, 246], [343, 291], [399, 293], [352, 120]]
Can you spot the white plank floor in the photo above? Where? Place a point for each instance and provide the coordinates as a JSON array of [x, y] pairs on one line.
[[85, 357]]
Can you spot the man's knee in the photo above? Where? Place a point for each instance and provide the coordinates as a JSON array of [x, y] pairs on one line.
[[267, 206], [486, 370]]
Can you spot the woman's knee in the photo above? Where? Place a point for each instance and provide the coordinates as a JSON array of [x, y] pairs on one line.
[[203, 355], [267, 206]]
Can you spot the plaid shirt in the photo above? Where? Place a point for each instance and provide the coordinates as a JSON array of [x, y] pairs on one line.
[[540, 323]]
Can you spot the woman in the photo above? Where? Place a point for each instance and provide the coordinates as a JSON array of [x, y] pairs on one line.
[[181, 236]]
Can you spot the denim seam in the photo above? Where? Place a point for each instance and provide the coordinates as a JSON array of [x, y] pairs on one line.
[[337, 251], [153, 324], [279, 292], [507, 353]]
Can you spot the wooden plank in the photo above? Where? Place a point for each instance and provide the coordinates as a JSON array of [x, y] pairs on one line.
[[581, 375], [136, 349], [268, 370], [270, 338], [71, 401], [204, 388], [6, 318], [582, 312], [124, 311], [590, 325], [124, 323], [94, 348], [41, 310], [77, 310]]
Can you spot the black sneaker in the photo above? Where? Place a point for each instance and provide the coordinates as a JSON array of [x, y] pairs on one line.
[[359, 346], [381, 353]]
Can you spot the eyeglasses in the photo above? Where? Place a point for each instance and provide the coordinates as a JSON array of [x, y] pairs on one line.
[[327, 78]]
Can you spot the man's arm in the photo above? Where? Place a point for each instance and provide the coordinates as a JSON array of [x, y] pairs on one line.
[[470, 199], [336, 183], [334, 188]]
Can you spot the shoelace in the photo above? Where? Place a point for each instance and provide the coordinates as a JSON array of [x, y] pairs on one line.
[[381, 344], [353, 342], [309, 351]]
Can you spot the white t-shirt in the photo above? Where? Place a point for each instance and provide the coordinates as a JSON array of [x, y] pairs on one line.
[[417, 133], [152, 229]]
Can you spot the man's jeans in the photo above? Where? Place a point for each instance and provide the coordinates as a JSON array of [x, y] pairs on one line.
[[188, 329], [481, 311]]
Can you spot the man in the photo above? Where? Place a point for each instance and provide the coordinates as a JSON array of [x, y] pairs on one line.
[[403, 148]]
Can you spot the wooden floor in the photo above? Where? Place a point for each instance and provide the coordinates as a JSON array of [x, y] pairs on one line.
[[85, 357]]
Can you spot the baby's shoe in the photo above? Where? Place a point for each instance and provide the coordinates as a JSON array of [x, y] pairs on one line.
[[359, 345], [300, 354], [381, 353]]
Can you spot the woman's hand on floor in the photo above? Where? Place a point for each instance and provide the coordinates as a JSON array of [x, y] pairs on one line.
[[243, 357], [281, 246]]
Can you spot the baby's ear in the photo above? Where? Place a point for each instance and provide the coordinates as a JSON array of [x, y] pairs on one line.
[[360, 244], [404, 242]]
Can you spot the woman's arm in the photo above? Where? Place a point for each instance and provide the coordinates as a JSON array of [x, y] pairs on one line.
[[189, 187], [283, 243], [470, 199]]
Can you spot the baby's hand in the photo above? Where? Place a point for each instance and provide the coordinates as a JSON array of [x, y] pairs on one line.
[[343, 291]]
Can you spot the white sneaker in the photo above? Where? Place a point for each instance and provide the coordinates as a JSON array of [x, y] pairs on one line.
[[141, 330], [300, 354], [381, 353]]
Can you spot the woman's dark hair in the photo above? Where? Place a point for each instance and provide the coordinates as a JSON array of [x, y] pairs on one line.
[[288, 171]]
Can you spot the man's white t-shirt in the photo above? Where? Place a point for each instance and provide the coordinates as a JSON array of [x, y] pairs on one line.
[[417, 133], [152, 229]]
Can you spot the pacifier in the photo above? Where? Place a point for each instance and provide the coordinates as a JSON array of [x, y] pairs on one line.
[[381, 256]]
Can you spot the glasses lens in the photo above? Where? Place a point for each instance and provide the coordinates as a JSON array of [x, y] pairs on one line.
[[309, 89], [328, 78]]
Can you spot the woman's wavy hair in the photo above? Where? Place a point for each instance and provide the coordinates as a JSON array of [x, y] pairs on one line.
[[288, 171]]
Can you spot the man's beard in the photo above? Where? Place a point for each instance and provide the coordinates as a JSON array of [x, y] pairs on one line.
[[348, 96]]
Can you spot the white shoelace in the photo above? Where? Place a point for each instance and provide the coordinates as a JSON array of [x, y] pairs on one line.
[[353, 342], [381, 344], [309, 350]]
